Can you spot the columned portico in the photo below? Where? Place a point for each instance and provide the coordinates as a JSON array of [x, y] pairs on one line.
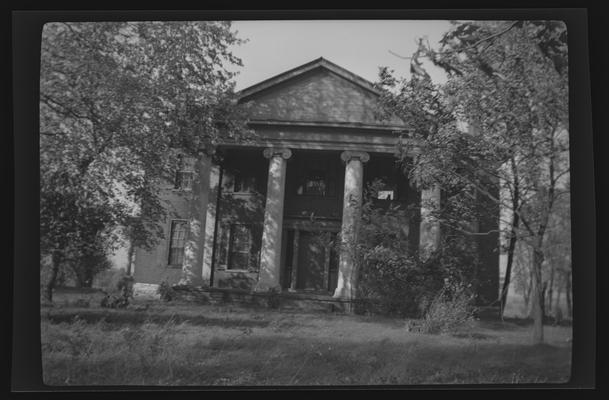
[[352, 202], [236, 238], [430, 226], [270, 252]]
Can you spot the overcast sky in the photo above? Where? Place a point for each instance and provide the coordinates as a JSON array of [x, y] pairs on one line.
[[359, 46]]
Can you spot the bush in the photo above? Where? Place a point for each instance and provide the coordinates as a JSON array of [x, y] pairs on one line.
[[166, 291], [450, 310], [404, 284], [123, 296], [392, 276]]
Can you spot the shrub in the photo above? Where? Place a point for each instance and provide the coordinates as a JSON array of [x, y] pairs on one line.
[[393, 278], [450, 310], [166, 291], [123, 296], [89, 263], [402, 283]]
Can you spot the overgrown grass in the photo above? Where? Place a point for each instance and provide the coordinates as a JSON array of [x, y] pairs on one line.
[[207, 345]]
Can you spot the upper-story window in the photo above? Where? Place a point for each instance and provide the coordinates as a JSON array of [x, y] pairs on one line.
[[387, 194], [239, 181], [184, 176], [244, 183], [385, 189], [317, 183]]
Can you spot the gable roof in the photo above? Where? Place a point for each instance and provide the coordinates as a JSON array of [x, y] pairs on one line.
[[298, 71]]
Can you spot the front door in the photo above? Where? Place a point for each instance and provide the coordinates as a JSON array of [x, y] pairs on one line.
[[311, 263]]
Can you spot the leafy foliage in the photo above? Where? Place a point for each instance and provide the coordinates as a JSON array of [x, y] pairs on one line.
[[495, 136], [392, 274], [89, 263], [451, 309], [124, 296], [118, 102], [166, 291]]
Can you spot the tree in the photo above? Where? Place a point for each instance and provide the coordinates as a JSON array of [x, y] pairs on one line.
[[508, 84], [118, 101]]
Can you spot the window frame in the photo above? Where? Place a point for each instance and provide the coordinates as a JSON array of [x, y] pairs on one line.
[[179, 180], [185, 167], [328, 180], [225, 248], [170, 242], [241, 178], [231, 244]]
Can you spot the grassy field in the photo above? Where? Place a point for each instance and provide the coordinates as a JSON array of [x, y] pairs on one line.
[[173, 344]]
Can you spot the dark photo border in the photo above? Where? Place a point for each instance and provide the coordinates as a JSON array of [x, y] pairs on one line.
[[22, 280]]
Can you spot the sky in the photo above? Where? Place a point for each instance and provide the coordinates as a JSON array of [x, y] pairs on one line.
[[360, 46]]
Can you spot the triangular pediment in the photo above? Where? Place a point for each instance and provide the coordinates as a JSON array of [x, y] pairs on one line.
[[317, 92]]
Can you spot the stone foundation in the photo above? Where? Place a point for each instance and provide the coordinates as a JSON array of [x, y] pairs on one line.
[[271, 300]]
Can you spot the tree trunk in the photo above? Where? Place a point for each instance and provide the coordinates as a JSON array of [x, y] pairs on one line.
[[568, 294], [529, 290], [508, 267], [55, 263], [130, 254], [513, 238], [550, 290], [557, 309], [537, 299]]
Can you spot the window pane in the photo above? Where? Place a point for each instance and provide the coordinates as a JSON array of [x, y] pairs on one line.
[[240, 247], [244, 183], [223, 245], [184, 180], [239, 260], [385, 195], [177, 240], [241, 238], [316, 183]]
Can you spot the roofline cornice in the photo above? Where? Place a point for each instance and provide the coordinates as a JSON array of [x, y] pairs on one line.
[[325, 124]]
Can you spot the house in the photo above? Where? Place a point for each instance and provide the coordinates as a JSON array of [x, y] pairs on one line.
[[265, 215]]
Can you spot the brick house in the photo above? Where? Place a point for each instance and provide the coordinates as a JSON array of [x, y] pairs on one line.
[[265, 215]]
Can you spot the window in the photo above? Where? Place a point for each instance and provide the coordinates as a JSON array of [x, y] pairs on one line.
[[317, 183], [184, 180], [244, 183], [184, 174], [235, 247], [386, 188], [385, 195], [177, 240], [240, 247]]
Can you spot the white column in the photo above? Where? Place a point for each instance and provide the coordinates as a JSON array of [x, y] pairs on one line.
[[352, 203], [193, 252], [429, 237], [270, 252]]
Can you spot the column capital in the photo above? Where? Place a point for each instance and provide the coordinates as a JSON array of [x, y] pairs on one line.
[[348, 155], [284, 152]]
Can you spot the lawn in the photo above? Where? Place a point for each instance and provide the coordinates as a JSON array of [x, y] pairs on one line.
[[182, 344]]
